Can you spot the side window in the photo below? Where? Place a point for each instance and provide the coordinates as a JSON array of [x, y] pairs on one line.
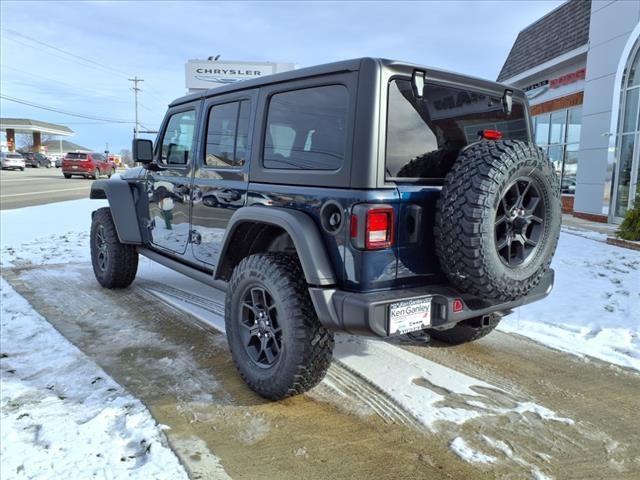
[[306, 129], [227, 135], [98, 157], [178, 138]]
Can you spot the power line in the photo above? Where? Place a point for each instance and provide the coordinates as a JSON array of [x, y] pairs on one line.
[[84, 59], [63, 112]]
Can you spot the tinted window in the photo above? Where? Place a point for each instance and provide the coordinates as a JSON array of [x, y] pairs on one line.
[[306, 129], [227, 134], [76, 156], [434, 129], [178, 138]]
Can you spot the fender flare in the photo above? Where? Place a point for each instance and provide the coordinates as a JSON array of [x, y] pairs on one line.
[[303, 231], [123, 208]]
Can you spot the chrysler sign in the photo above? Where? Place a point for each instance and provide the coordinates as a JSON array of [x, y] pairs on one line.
[[203, 74]]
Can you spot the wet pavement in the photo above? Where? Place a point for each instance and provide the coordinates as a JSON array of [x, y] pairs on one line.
[[347, 427]]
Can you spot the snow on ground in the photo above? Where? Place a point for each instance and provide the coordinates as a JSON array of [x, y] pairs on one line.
[[62, 415], [465, 452], [47, 234], [594, 308]]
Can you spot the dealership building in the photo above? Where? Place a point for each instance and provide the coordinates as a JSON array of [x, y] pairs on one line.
[[580, 68]]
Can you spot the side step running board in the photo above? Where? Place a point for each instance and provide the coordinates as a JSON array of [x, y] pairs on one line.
[[206, 278]]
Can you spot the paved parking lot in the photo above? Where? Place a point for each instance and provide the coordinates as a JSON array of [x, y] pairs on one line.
[[37, 186]]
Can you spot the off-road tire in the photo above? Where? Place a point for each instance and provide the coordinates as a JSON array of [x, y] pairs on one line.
[[465, 234], [464, 333], [122, 260], [430, 165], [307, 347]]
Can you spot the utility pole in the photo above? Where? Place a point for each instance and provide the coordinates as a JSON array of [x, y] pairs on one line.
[[135, 89]]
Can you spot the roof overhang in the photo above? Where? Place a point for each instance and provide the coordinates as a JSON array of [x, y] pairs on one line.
[[553, 63], [20, 125]]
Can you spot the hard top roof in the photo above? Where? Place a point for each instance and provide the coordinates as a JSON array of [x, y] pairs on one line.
[[328, 68]]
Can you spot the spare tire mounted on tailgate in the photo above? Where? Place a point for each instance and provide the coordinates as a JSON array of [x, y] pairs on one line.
[[498, 219]]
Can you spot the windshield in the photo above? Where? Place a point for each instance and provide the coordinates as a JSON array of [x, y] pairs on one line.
[[424, 136]]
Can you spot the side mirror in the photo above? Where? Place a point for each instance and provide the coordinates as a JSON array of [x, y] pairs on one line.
[[142, 150], [417, 83]]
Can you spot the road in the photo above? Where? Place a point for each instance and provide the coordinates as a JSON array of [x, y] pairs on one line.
[[540, 414], [37, 186]]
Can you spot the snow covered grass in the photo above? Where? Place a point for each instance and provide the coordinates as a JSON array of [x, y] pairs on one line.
[[62, 415], [594, 308]]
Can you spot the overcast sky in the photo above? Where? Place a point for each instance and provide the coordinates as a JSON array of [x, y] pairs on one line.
[[153, 40]]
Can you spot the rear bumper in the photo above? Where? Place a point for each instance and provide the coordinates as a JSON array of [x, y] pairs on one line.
[[78, 171], [368, 313]]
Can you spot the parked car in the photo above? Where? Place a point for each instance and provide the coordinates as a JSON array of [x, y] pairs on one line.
[[36, 159], [383, 206], [88, 165], [12, 160], [569, 185]]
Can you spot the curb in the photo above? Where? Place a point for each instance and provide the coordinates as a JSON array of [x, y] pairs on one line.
[[619, 242]]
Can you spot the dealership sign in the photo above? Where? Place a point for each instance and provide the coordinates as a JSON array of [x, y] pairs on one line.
[[202, 74], [536, 89]]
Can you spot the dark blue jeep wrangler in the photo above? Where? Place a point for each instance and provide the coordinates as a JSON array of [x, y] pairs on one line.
[[367, 196]]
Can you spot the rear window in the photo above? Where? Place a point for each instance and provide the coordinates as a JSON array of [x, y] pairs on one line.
[[76, 156], [306, 129], [14, 155], [424, 136]]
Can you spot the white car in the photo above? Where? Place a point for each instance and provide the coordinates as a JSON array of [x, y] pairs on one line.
[[12, 160]]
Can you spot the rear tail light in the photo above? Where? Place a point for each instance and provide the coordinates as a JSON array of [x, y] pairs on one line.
[[372, 226], [491, 134]]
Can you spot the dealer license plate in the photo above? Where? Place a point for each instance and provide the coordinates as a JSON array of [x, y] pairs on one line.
[[409, 315]]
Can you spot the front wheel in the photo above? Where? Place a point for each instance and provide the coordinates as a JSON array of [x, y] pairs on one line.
[[114, 264], [276, 340]]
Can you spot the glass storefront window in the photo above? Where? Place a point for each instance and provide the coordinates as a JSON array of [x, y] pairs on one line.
[[624, 174], [542, 129], [573, 125], [558, 125], [630, 119], [627, 166], [559, 134]]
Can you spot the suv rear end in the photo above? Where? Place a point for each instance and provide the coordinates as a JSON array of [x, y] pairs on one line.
[[78, 163]]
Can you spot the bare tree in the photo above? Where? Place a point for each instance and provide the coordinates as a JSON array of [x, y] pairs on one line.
[[125, 154]]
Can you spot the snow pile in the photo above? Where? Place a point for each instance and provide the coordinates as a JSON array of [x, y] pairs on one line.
[[594, 308], [62, 415], [46, 234]]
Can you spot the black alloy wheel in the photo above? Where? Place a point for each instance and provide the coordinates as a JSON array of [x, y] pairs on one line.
[[261, 332], [102, 248], [520, 222]]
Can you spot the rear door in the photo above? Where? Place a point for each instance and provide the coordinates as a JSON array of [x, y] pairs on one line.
[[423, 140], [169, 188], [222, 170]]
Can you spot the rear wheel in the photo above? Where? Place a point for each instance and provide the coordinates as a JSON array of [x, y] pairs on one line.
[[112, 172], [67, 175], [467, 330], [114, 264], [276, 340], [96, 174]]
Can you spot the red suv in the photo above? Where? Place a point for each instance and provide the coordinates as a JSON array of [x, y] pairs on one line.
[[88, 165]]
